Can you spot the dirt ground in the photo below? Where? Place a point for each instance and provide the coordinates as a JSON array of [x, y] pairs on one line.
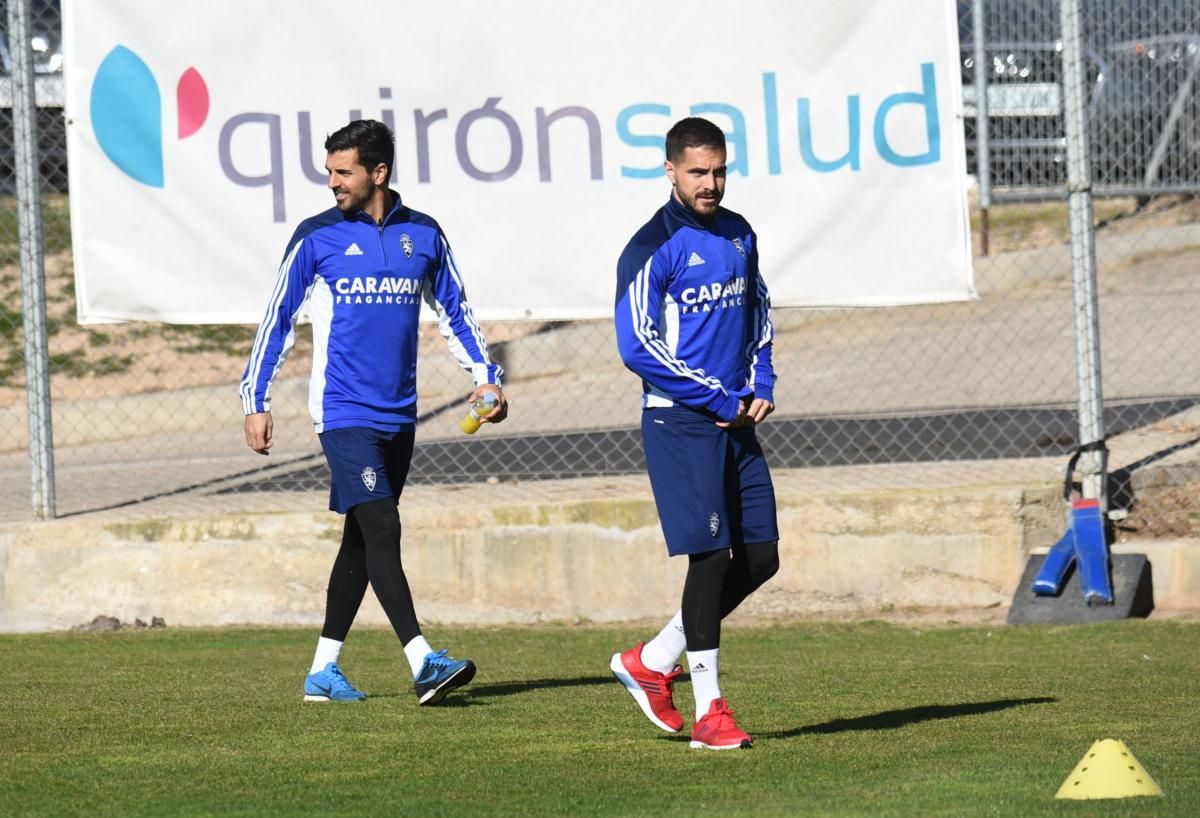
[[138, 357], [115, 360]]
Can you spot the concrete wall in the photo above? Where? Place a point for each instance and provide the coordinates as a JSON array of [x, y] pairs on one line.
[[597, 559]]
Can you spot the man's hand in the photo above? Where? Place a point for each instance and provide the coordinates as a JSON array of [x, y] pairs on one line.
[[501, 411], [260, 431], [750, 415], [759, 409]]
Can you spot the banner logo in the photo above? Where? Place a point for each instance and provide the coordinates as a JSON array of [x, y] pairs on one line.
[[126, 109]]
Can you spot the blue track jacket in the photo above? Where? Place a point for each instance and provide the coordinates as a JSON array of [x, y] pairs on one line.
[[693, 316], [366, 283]]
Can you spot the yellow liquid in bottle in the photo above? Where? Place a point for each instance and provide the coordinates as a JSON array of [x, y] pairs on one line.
[[479, 409]]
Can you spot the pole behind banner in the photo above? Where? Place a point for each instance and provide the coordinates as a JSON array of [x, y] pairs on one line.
[[33, 279], [983, 171], [1083, 253]]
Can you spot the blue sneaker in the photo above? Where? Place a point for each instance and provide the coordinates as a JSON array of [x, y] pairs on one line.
[[440, 674], [330, 685]]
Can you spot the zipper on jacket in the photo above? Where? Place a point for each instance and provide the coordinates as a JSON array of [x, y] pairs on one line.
[[382, 245]]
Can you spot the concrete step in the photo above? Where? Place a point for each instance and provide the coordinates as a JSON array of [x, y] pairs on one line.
[[574, 550]]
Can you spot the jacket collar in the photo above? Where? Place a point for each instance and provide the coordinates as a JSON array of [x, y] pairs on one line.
[[361, 215]]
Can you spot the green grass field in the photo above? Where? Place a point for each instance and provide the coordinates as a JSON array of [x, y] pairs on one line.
[[866, 719]]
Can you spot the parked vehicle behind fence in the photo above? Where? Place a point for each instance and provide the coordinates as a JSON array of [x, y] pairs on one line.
[[1143, 94]]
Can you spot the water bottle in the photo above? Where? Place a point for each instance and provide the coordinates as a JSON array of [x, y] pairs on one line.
[[479, 409]]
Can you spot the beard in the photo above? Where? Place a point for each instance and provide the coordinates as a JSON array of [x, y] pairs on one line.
[[704, 207], [355, 200]]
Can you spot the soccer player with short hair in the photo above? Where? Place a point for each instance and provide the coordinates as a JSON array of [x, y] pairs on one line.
[[693, 321], [364, 266]]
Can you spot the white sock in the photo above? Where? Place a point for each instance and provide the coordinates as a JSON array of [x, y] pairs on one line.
[[416, 651], [663, 651], [703, 666], [328, 650]]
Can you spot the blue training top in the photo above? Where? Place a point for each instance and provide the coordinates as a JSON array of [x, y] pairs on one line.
[[693, 316], [365, 282]]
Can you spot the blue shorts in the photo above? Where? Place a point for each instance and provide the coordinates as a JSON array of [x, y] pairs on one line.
[[711, 485], [366, 464]]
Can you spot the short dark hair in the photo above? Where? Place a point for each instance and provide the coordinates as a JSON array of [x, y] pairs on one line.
[[373, 141], [693, 132]]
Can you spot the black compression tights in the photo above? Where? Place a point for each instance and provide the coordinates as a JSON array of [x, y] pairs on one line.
[[717, 582], [370, 551]]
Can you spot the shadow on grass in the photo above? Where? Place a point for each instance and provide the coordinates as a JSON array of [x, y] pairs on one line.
[[530, 685], [472, 695], [892, 719]]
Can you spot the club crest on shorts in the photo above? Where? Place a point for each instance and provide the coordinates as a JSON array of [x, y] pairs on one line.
[[714, 524], [406, 244], [737, 245], [368, 478]]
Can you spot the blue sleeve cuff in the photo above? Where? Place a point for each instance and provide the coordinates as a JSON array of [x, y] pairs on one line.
[[725, 406]]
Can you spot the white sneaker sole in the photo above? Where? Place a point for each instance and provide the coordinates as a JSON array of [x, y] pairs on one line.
[[308, 697], [456, 681], [643, 701], [700, 745]]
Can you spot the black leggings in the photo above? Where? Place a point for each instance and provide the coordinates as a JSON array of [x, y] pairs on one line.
[[717, 582], [370, 551]]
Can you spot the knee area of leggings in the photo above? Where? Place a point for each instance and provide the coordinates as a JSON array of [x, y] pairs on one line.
[[378, 519], [763, 559]]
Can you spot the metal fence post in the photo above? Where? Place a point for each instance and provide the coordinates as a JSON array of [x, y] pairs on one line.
[[33, 284], [983, 172], [1083, 252]]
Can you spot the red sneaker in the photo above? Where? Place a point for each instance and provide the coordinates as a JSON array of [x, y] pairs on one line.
[[718, 731], [649, 688]]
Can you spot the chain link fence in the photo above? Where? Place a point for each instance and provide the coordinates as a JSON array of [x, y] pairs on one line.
[[144, 410]]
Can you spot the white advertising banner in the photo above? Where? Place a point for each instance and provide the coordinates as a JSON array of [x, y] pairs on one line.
[[532, 130]]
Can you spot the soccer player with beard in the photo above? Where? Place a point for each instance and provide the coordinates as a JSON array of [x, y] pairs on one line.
[[693, 321], [364, 266]]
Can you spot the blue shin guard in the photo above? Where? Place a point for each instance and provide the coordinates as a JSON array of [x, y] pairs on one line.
[[1083, 543], [1091, 551], [1049, 579]]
